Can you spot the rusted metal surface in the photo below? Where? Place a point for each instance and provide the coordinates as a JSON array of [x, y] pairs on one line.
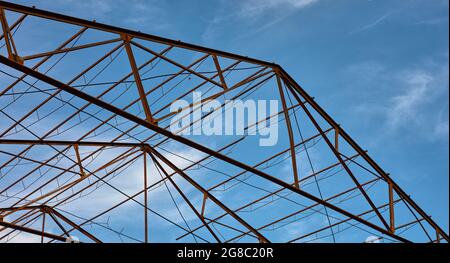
[[74, 133]]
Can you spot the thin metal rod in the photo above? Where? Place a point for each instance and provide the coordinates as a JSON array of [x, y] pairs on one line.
[[65, 50], [6, 33], [391, 208], [144, 156], [137, 79], [43, 227]]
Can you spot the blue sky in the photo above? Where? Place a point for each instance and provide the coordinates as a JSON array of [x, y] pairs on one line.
[[380, 68]]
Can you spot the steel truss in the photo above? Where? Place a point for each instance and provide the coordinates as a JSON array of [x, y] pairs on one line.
[[282, 194]]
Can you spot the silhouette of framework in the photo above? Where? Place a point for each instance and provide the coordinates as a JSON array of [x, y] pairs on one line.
[[86, 150]]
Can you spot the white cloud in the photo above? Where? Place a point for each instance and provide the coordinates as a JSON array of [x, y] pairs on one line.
[[364, 72], [141, 15], [93, 8], [432, 21], [441, 129], [412, 99], [253, 8], [372, 24], [23, 237], [248, 13], [405, 106]]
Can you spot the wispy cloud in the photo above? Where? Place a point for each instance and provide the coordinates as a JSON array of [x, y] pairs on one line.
[[441, 129], [89, 8], [250, 13], [141, 15], [252, 8], [410, 99], [432, 21], [404, 106], [371, 25]]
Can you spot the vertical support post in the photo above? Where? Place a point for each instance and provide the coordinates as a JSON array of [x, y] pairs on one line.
[[77, 153], [126, 39], [391, 208], [289, 128], [145, 198], [43, 227]]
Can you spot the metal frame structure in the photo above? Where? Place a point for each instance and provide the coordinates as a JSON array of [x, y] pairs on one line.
[[42, 172]]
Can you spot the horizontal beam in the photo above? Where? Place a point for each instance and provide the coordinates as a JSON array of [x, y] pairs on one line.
[[70, 49], [80, 143]]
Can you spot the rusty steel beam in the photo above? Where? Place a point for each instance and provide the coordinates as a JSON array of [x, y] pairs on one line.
[[145, 199], [117, 30], [77, 154], [391, 208], [9, 42], [137, 78], [70, 49]]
